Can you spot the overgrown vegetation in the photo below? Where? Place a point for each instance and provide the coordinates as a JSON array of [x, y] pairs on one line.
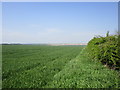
[[106, 50]]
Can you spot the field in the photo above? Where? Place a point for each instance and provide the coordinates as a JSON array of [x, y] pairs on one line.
[[40, 66]]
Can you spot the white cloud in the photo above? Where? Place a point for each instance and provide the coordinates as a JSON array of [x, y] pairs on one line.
[[53, 30]]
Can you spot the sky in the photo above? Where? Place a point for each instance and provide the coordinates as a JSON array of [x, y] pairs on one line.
[[0, 23], [60, 0], [57, 22]]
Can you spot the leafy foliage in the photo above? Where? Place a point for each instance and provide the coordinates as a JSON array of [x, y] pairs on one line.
[[106, 50]]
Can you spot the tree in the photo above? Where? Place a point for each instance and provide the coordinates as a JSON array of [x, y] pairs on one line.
[[107, 34]]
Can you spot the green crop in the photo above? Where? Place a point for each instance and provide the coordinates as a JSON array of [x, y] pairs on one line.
[[37, 66]]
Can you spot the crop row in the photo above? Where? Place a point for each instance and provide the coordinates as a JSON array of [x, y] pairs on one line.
[[32, 66]]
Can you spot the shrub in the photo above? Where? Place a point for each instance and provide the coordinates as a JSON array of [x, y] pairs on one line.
[[105, 50]]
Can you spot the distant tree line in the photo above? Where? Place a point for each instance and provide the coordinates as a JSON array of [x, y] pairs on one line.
[[11, 44]]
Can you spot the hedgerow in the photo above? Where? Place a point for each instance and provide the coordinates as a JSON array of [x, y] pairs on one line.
[[105, 50]]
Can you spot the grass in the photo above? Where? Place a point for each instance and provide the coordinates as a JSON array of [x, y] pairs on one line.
[[0, 66], [83, 73], [35, 66]]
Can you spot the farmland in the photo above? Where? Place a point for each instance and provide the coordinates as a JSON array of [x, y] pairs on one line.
[[40, 66]]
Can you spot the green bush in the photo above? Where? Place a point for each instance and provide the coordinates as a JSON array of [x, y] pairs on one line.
[[106, 50]]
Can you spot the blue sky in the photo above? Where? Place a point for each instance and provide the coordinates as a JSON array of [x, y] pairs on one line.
[[60, 22]]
